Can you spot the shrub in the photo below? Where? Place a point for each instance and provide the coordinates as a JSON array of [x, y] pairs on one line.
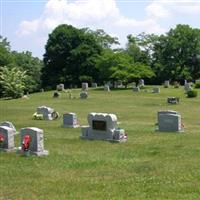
[[197, 85], [192, 93]]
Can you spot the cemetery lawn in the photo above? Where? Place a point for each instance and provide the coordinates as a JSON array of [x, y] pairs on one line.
[[151, 165]]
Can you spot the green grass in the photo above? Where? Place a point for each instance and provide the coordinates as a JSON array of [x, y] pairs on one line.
[[151, 165]]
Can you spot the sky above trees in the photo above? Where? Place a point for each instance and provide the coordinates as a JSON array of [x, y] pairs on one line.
[[27, 23]]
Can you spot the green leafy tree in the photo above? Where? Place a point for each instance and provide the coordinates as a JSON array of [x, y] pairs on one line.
[[121, 66], [177, 54], [13, 82], [103, 39], [70, 53], [32, 65]]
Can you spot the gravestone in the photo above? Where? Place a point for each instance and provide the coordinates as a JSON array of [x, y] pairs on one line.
[[166, 84], [169, 121], [172, 100], [46, 113], [187, 87], [70, 120], [60, 87], [56, 94], [136, 89], [156, 90], [9, 124], [32, 141], [107, 88], [141, 82], [7, 139], [94, 85], [118, 84], [84, 86], [42, 90], [83, 95], [103, 126]]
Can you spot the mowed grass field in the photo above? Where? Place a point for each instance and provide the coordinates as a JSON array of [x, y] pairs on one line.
[[150, 165]]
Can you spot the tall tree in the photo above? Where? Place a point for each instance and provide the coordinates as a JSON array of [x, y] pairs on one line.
[[70, 54], [177, 54]]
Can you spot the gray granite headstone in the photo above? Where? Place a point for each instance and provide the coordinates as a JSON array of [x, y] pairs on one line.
[[36, 146], [141, 82], [172, 100], [70, 120], [7, 138], [103, 126], [83, 95], [94, 85], [187, 87], [169, 121], [8, 124], [166, 84]]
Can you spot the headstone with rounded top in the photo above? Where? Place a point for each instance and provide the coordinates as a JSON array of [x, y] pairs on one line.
[[8, 124], [103, 126], [7, 138], [94, 85], [60, 87]]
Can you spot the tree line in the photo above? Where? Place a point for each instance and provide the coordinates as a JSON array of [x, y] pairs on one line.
[[75, 55]]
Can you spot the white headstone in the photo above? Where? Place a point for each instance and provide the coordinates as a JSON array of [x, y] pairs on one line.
[[107, 88], [166, 84], [70, 120], [60, 87], [84, 86], [47, 113], [7, 138], [103, 126], [169, 121], [32, 140]]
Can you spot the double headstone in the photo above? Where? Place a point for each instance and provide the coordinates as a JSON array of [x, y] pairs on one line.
[[103, 126]]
